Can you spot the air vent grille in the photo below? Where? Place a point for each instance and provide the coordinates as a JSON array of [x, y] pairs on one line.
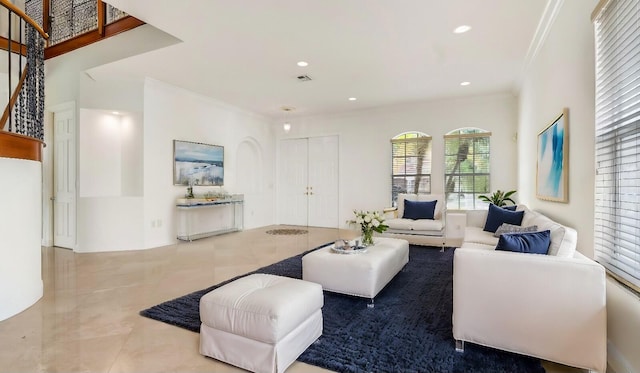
[[304, 78]]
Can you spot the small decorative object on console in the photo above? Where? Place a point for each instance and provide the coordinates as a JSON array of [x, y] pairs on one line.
[[369, 222]]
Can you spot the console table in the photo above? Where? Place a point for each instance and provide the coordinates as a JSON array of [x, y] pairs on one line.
[[199, 218]]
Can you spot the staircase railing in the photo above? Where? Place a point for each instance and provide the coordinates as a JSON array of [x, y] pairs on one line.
[[24, 45]]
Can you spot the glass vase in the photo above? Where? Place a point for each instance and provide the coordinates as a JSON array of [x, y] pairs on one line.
[[367, 237]]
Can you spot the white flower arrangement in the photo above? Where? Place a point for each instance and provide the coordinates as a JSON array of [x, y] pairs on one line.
[[369, 222]]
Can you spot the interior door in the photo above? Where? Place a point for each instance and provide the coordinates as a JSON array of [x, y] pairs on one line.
[[323, 181], [308, 182], [64, 178], [293, 182]]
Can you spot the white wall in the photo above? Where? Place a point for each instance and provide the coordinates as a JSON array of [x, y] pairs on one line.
[[172, 113], [132, 154], [110, 154], [110, 160], [99, 154], [623, 328], [67, 81], [110, 224], [66, 72], [563, 75], [365, 148], [108, 208], [110, 205], [127, 196]]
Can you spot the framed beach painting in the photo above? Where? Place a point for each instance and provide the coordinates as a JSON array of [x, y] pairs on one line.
[[195, 163], [552, 175]]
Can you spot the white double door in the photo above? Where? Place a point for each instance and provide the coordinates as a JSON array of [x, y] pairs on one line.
[[308, 182]]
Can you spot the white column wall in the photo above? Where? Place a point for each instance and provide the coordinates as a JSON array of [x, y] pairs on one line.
[[20, 232], [173, 113], [365, 147]]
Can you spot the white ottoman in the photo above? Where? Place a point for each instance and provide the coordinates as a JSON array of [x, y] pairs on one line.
[[361, 274], [260, 322]]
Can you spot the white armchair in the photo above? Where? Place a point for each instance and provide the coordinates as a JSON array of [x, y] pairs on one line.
[[418, 231]]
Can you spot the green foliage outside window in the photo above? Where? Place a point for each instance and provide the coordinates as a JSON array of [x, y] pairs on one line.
[[411, 162], [467, 167]]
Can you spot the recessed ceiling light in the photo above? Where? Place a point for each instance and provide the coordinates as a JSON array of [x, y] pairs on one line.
[[352, 98], [461, 29], [115, 112], [303, 63], [465, 83]]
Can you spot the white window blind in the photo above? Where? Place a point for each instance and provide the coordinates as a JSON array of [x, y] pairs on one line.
[[411, 163], [617, 188], [467, 154]]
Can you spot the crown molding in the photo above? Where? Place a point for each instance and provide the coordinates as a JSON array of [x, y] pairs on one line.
[[547, 20]]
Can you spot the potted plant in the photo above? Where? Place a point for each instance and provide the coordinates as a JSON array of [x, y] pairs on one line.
[[499, 198]]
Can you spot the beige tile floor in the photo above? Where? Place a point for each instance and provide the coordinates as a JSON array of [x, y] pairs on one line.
[[87, 320]]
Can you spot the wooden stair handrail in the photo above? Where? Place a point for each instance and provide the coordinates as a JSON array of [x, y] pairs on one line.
[[21, 50], [22, 15], [14, 98], [13, 145]]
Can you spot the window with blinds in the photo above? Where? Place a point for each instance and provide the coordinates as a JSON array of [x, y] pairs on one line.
[[467, 175], [617, 188], [411, 163]]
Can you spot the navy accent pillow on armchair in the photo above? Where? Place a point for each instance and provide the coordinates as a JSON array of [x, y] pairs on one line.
[[530, 242], [510, 208], [498, 216], [419, 209]]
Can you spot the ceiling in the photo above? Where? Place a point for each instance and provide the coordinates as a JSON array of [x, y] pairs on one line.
[[382, 52]]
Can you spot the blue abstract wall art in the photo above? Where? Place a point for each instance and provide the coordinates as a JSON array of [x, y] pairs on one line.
[[553, 166]]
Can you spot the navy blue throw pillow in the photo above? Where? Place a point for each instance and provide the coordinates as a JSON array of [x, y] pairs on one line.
[[498, 216], [510, 208], [530, 242], [419, 209]]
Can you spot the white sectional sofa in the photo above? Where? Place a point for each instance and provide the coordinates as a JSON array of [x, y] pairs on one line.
[[548, 306]]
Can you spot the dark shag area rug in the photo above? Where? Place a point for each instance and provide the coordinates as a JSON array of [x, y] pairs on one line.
[[408, 330]]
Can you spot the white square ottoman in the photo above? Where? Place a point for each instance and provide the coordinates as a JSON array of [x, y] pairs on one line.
[[260, 322], [361, 274]]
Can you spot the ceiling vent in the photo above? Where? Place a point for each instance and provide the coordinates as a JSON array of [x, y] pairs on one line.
[[304, 78]]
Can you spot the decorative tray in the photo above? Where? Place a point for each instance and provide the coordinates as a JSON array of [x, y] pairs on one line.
[[349, 249]]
